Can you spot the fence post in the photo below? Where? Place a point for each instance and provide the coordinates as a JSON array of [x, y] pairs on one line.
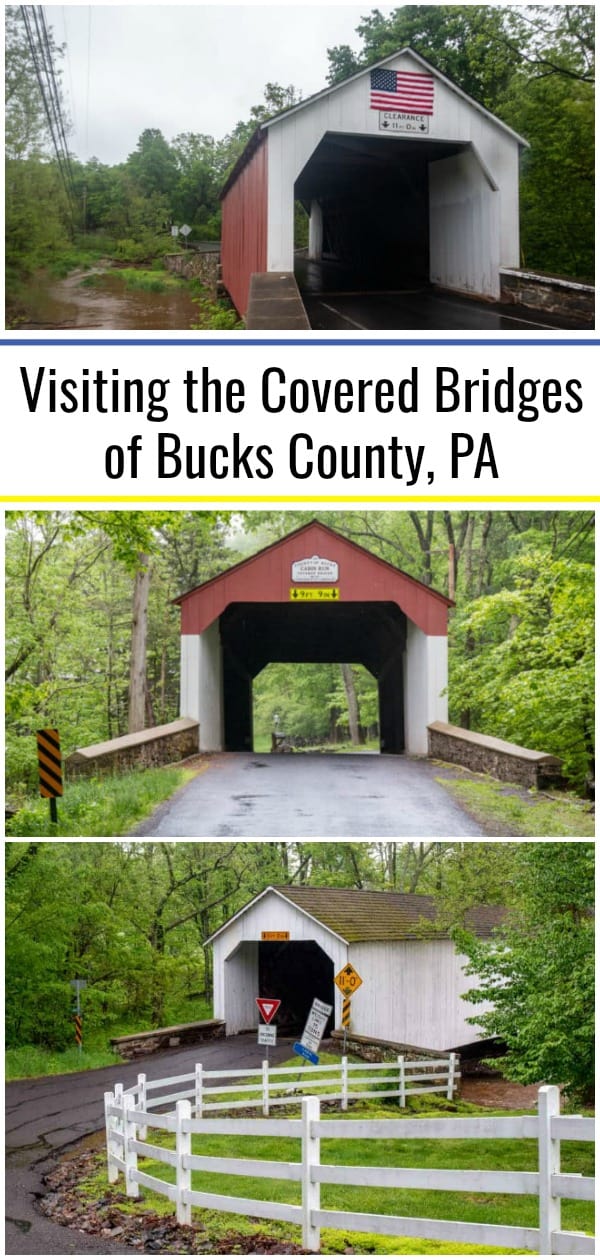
[[183, 1148], [198, 1092], [344, 1082], [311, 1158], [265, 1087], [112, 1170], [142, 1104], [132, 1189], [401, 1082], [451, 1076], [549, 1163]]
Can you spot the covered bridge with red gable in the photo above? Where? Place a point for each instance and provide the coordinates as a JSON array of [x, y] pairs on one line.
[[314, 596]]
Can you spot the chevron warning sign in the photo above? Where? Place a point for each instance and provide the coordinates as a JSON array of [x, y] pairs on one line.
[[49, 762]]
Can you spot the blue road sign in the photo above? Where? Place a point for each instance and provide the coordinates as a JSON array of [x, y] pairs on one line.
[[306, 1054]]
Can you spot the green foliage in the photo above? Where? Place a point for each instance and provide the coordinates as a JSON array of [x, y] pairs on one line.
[[523, 660], [215, 313], [539, 971]]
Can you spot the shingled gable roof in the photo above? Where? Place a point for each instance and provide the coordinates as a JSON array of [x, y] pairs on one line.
[[358, 914], [297, 533]]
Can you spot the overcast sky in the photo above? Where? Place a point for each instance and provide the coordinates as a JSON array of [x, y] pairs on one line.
[[187, 67]]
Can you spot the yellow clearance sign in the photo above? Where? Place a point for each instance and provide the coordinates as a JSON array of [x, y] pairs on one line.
[[348, 980], [298, 593]]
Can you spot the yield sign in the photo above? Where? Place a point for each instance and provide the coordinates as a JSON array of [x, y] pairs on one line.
[[268, 1007]]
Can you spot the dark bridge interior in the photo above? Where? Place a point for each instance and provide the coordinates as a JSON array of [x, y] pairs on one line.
[[374, 195], [372, 634], [297, 972]]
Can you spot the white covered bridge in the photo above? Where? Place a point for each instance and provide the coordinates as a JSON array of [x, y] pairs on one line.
[[403, 175], [290, 942]]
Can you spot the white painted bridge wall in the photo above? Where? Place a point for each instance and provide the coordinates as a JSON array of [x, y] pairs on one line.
[[236, 956], [412, 992], [293, 139], [202, 685], [425, 686]]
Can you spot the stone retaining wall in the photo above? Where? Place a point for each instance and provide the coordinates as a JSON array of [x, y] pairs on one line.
[[199, 263], [373, 1049], [487, 755], [548, 293], [157, 746], [137, 1044]]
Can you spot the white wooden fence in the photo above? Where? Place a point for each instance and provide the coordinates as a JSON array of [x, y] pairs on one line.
[[127, 1121], [267, 1087]]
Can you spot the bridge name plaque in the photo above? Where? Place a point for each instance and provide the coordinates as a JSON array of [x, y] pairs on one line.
[[315, 569]]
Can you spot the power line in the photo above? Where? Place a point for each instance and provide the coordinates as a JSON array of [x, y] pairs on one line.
[[40, 48]]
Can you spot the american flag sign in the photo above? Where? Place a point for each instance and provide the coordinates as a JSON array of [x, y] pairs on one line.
[[403, 90]]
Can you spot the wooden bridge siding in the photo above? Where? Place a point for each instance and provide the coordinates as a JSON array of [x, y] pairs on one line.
[[266, 578], [244, 231]]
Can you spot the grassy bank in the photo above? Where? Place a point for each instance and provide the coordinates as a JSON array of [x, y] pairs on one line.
[[506, 809], [27, 1061], [100, 807]]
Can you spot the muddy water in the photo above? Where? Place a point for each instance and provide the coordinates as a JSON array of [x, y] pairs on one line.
[[108, 304]]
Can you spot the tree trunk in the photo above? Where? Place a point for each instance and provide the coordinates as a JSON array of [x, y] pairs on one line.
[[353, 713], [139, 633]]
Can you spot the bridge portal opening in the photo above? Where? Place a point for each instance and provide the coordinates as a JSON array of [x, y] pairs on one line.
[[369, 198], [314, 705], [252, 636], [297, 972]]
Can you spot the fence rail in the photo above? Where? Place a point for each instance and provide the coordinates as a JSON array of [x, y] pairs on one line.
[[127, 1122], [267, 1087]]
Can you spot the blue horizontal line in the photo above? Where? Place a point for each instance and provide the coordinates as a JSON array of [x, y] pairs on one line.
[[275, 341]]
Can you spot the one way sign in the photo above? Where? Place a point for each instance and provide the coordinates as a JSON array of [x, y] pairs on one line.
[[268, 1007]]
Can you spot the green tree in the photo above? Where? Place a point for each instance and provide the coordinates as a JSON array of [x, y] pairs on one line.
[[538, 972]]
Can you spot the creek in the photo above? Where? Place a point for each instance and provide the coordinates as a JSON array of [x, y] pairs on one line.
[[108, 303]]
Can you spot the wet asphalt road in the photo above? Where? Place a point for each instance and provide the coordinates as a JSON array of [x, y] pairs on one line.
[[47, 1115], [420, 310], [311, 794]]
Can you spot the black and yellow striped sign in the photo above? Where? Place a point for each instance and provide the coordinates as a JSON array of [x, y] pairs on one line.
[[78, 1029], [346, 1012], [49, 763]]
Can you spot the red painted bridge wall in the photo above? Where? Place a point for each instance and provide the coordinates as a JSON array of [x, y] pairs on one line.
[[244, 228], [267, 578]]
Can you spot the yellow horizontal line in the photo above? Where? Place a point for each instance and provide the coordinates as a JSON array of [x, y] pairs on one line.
[[302, 498]]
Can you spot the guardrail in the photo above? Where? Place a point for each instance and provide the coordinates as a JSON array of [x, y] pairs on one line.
[[267, 1087], [127, 1124]]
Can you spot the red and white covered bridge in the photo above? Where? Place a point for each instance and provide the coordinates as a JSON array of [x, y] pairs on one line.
[[402, 174], [314, 596]]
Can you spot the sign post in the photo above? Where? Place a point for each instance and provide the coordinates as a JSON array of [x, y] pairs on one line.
[[78, 985], [50, 767], [348, 981], [268, 1007]]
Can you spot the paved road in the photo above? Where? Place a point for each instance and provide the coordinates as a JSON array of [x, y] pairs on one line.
[[422, 309], [47, 1115], [311, 794]]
